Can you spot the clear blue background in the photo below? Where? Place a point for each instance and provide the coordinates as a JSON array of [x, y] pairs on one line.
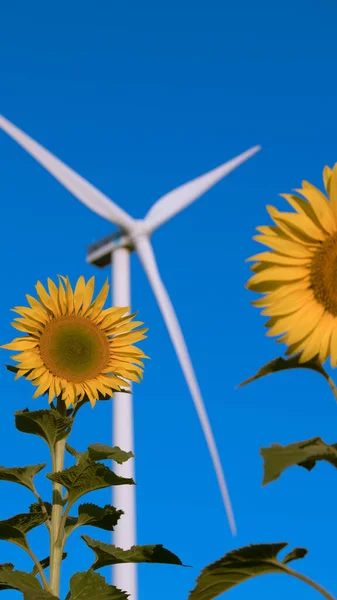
[[139, 97]]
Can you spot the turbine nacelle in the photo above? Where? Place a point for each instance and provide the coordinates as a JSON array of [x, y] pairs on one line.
[[100, 253]]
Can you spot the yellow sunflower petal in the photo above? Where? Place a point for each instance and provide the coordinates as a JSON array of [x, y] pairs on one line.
[[44, 297], [327, 172], [79, 294], [128, 338], [302, 207], [22, 325], [37, 374], [127, 327], [31, 315], [268, 230], [279, 274], [313, 341], [322, 208], [113, 317], [290, 224], [54, 295], [325, 340], [88, 293], [333, 346], [284, 247], [333, 190], [99, 302], [278, 259], [287, 305], [62, 301], [24, 344], [69, 294], [298, 324]]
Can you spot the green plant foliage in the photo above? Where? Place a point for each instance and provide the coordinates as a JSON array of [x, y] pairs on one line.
[[22, 475], [277, 458], [50, 425], [100, 452], [25, 583], [240, 565], [108, 554], [89, 585], [282, 364], [15, 529], [90, 514], [86, 477]]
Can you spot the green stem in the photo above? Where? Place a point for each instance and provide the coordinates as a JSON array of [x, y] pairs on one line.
[[39, 568], [56, 535], [61, 535], [310, 582]]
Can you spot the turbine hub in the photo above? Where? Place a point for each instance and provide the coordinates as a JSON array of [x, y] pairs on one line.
[[139, 229]]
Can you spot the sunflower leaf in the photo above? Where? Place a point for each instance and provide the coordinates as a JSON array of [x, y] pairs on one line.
[[282, 364], [241, 565], [86, 477], [15, 529], [90, 514], [103, 452], [22, 475], [50, 425], [108, 554], [277, 458], [24, 582], [100, 452], [88, 585], [45, 563]]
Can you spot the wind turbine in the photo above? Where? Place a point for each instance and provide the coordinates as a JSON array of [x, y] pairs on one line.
[[134, 235]]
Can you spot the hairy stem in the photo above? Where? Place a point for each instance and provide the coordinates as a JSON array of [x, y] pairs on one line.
[[310, 582], [56, 535]]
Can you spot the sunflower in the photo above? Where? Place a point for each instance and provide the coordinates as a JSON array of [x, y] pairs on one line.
[[73, 348], [298, 275]]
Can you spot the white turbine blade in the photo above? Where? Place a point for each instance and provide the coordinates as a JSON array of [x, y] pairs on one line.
[[176, 200], [79, 187], [148, 261]]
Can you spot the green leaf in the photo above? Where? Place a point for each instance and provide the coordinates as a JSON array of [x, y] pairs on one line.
[[277, 458], [90, 514], [25, 583], [15, 529], [103, 452], [239, 566], [100, 452], [22, 475], [45, 563], [50, 425], [89, 585], [107, 554], [36, 508], [86, 477], [282, 364]]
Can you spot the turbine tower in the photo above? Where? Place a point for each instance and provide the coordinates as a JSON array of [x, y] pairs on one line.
[[134, 235]]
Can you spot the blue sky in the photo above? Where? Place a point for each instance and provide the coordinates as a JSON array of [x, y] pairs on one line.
[[139, 98]]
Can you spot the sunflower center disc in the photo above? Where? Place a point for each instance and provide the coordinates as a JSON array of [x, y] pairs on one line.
[[323, 275], [74, 348]]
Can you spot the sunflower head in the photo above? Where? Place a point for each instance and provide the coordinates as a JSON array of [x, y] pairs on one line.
[[73, 349], [298, 273]]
